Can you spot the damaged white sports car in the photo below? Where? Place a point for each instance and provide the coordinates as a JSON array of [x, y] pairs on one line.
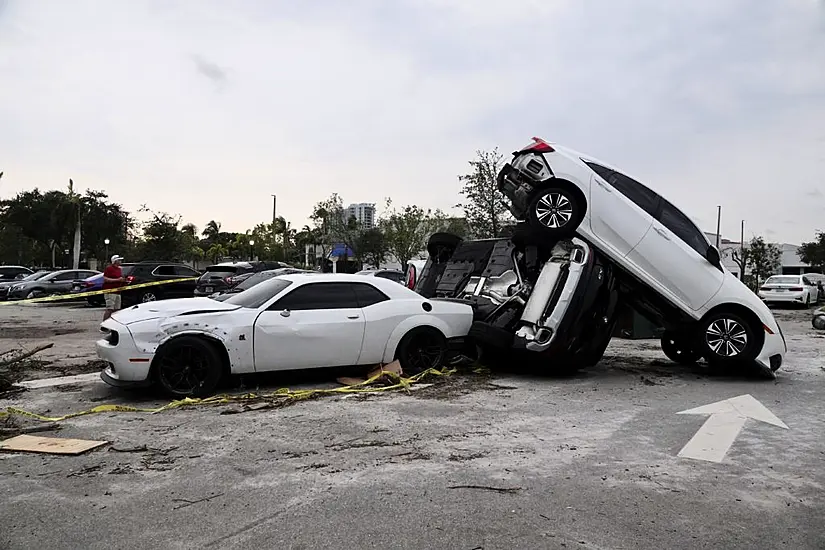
[[296, 321]]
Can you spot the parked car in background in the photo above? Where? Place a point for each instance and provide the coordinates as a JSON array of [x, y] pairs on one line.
[[223, 276], [298, 321], [667, 269], [50, 284], [789, 289], [13, 272], [6, 285], [391, 274], [253, 279], [91, 284], [156, 272]]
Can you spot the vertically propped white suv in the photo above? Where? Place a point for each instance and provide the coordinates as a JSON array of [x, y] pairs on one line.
[[671, 272]]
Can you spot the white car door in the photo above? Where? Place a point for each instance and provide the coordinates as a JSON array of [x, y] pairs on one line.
[[314, 325], [621, 209], [674, 253]]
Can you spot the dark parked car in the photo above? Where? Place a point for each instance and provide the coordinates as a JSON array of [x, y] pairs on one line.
[[153, 271], [547, 304], [6, 286], [221, 277], [13, 272], [90, 284], [253, 279], [56, 282]]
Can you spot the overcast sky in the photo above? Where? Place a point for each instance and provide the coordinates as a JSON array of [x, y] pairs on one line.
[[206, 108]]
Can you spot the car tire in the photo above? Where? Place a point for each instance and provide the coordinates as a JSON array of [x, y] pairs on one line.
[[489, 336], [807, 302], [192, 358], [421, 349], [818, 322], [554, 211], [733, 350], [678, 348], [441, 246]]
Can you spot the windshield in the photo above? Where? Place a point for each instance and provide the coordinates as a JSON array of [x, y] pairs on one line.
[[259, 294], [36, 275], [783, 280], [220, 271], [253, 280]]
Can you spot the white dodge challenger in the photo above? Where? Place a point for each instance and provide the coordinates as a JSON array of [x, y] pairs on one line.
[[186, 346]]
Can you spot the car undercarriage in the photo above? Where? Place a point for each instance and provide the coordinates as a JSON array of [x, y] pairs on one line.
[[551, 304]]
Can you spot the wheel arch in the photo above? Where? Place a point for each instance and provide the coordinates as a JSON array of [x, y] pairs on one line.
[[211, 339], [410, 326]]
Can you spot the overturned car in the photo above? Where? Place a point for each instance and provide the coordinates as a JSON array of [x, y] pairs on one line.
[[549, 303]]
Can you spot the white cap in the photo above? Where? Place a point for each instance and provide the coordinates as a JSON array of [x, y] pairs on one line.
[[116, 257]]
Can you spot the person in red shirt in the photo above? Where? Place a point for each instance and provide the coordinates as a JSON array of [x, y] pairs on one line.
[[112, 278]]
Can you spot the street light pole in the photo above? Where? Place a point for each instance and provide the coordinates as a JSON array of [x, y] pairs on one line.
[[251, 244], [742, 250], [718, 224], [106, 242]]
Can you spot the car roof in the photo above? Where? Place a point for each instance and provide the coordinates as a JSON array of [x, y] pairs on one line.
[[388, 286]]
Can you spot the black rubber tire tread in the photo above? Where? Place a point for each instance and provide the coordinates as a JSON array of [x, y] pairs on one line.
[[751, 350], [677, 348], [404, 350]]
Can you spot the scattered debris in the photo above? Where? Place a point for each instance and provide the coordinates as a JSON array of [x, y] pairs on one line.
[[9, 431], [138, 449], [487, 488], [50, 445], [191, 502], [375, 375], [25, 355]]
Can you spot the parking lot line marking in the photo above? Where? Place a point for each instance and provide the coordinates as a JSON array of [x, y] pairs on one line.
[[727, 418], [61, 381]]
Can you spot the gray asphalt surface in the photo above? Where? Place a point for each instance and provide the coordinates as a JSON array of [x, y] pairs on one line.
[[473, 461]]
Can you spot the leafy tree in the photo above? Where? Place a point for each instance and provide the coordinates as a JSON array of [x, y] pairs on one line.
[[371, 247], [763, 259], [740, 258], [406, 231], [216, 252], [484, 206], [813, 252], [162, 239], [45, 218], [104, 220], [334, 226], [211, 231]]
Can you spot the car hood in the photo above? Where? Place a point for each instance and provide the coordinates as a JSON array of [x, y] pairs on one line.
[[164, 309]]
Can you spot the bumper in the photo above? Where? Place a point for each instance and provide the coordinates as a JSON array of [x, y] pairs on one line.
[[772, 355], [783, 297], [126, 365]]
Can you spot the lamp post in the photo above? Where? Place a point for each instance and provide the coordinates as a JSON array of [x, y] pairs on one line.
[[251, 244], [106, 242]]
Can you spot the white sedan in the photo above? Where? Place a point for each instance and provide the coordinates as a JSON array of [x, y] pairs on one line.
[[295, 321]]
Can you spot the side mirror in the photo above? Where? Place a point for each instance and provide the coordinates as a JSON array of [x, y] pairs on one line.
[[712, 256], [285, 313]]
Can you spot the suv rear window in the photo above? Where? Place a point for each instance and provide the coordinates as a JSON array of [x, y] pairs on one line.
[[222, 271], [126, 269]]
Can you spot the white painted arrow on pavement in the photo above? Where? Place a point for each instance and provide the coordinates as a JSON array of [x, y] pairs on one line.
[[720, 430]]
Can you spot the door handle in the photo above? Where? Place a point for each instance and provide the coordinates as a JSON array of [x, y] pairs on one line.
[[662, 232], [353, 316]]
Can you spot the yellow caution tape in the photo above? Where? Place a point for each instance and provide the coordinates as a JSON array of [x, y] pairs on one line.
[[70, 296], [285, 394]]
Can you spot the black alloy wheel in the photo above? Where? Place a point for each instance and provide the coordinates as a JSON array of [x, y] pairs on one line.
[[188, 366], [554, 211], [422, 349]]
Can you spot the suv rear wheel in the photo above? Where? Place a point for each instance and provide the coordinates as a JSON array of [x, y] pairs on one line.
[[555, 211], [679, 348]]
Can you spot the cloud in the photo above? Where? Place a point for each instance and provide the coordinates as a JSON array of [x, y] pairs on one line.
[[708, 102], [210, 70]]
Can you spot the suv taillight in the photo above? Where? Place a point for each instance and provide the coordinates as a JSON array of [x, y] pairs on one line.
[[796, 289], [130, 278]]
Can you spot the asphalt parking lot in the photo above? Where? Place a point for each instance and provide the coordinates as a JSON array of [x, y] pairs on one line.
[[475, 460]]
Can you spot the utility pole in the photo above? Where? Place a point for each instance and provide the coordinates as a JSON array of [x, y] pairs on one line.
[[274, 218], [742, 250], [718, 224]]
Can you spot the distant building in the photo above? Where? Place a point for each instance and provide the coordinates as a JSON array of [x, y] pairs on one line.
[[789, 262], [364, 212]]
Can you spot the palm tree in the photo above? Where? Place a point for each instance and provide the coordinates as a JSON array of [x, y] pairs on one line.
[[211, 231], [74, 199], [216, 252], [189, 229]]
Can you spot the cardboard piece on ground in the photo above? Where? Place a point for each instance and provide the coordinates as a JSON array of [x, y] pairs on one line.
[[394, 367], [51, 445]]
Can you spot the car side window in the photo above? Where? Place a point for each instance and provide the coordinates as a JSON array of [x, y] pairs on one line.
[[681, 226], [183, 271], [68, 276], [807, 282], [164, 270], [644, 198], [368, 295], [318, 296]]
